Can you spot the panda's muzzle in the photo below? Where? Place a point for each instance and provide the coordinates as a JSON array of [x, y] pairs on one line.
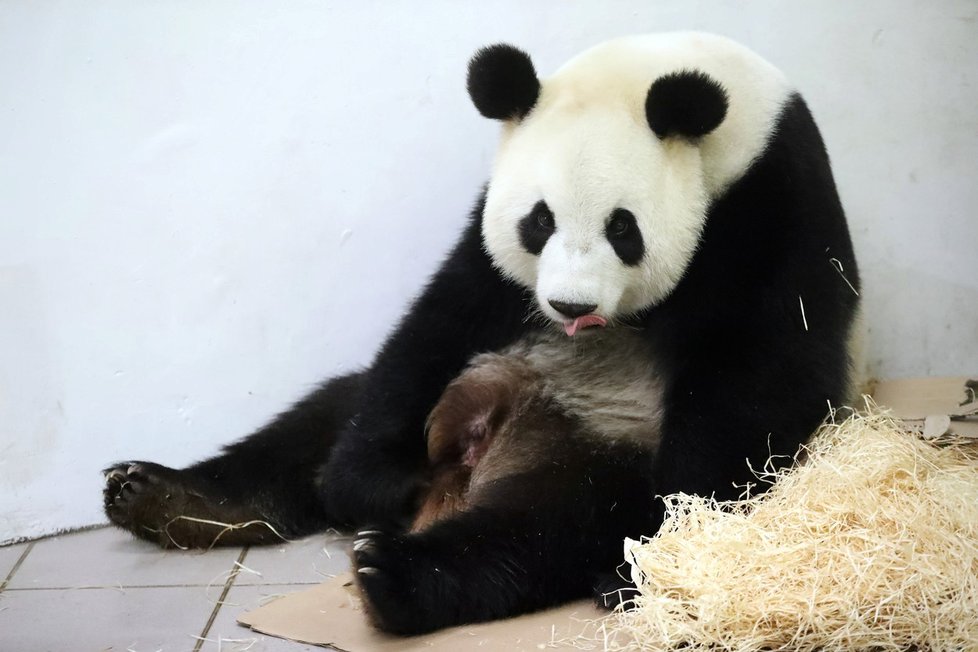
[[581, 315], [572, 310]]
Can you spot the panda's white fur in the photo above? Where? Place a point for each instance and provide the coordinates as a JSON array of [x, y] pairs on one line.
[[586, 149]]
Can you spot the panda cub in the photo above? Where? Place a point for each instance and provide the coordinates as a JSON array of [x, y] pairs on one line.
[[535, 401], [655, 291]]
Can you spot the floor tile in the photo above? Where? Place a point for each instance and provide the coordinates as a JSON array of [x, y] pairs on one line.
[[9, 555], [109, 557], [141, 619], [226, 635], [308, 561]]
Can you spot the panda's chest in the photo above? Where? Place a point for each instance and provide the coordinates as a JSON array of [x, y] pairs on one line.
[[606, 380]]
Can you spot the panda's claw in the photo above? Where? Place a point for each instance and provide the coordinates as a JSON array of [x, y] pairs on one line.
[[114, 475], [360, 544]]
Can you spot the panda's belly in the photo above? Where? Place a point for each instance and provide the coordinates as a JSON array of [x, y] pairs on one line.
[[607, 380]]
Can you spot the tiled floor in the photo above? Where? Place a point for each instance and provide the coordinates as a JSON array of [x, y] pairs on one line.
[[102, 590]]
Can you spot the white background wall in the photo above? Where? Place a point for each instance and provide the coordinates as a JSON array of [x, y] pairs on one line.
[[207, 206]]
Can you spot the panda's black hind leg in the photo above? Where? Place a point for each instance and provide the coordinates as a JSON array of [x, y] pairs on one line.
[[523, 543], [169, 508], [262, 489]]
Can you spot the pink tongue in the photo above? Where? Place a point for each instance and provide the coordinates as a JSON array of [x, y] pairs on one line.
[[584, 322]]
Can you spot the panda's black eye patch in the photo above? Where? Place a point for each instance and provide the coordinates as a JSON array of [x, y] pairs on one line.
[[536, 228], [623, 234]]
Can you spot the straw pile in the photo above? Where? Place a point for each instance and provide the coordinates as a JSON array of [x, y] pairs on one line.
[[871, 544]]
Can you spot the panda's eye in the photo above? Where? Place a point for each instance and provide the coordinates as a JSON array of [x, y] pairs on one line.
[[545, 218], [618, 226]]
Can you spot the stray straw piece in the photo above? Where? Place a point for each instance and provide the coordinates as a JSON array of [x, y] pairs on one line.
[[227, 527]]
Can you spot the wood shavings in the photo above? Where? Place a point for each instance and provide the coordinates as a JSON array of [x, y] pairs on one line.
[[241, 568], [872, 544]]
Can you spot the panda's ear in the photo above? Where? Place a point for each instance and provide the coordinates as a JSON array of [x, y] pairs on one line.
[[688, 103], [502, 82]]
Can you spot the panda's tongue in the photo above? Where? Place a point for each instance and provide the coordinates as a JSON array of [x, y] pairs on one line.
[[583, 322]]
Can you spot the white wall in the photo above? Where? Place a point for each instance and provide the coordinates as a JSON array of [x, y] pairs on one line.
[[207, 206]]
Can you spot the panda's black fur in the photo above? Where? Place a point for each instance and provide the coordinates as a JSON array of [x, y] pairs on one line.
[[702, 107], [502, 82], [744, 372]]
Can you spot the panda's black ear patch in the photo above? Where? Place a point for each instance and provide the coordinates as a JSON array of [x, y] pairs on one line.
[[502, 82], [687, 103]]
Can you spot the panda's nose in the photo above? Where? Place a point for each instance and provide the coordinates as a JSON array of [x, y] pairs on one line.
[[572, 310]]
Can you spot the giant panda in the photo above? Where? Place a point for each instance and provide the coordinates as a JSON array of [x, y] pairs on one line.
[[655, 291]]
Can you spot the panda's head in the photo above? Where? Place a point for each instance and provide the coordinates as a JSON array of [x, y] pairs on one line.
[[606, 171]]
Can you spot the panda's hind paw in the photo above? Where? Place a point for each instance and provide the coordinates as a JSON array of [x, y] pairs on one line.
[[141, 497], [127, 478]]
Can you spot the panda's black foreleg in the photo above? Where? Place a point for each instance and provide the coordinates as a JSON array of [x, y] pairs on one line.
[[262, 489], [530, 542]]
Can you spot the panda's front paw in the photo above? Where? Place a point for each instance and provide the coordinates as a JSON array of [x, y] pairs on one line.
[[385, 568]]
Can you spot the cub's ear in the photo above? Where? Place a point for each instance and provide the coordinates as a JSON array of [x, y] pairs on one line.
[[502, 82], [688, 103]]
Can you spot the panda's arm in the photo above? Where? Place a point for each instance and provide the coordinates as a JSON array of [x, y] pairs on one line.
[[755, 336], [723, 412], [750, 378], [377, 466]]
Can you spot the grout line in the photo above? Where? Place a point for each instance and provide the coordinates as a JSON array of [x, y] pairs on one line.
[[20, 560], [116, 587], [126, 587], [312, 583], [220, 601]]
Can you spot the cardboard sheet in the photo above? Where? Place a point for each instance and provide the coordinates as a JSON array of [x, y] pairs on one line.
[[330, 613], [933, 405]]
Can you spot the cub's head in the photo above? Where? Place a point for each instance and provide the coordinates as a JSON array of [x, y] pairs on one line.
[[606, 171]]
